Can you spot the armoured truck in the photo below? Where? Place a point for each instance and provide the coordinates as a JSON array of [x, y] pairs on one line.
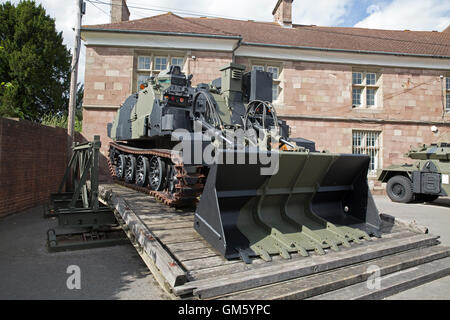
[[221, 148], [425, 180]]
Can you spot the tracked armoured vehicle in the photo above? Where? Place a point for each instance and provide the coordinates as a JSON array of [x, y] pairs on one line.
[[425, 180], [260, 192]]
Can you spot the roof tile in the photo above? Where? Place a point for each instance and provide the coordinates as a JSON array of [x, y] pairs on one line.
[[338, 38]]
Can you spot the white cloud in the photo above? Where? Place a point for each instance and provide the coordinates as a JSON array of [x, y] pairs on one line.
[[320, 12], [409, 14]]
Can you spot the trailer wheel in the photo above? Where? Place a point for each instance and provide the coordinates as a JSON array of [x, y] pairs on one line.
[[399, 189]]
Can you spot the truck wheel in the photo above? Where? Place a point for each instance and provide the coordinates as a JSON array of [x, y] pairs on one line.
[[399, 189]]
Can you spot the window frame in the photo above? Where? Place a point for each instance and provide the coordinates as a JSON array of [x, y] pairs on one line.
[[138, 53], [374, 151], [360, 98], [364, 86], [160, 57], [149, 64], [176, 57]]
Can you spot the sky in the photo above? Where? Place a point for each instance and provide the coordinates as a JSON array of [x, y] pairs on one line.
[[427, 15]]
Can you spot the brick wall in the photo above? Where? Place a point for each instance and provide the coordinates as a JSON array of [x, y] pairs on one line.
[[32, 163], [206, 66], [108, 75], [326, 90], [320, 90]]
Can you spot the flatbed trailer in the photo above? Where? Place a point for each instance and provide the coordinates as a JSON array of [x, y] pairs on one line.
[[187, 267]]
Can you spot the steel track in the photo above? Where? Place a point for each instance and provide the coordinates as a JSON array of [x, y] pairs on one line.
[[186, 192]]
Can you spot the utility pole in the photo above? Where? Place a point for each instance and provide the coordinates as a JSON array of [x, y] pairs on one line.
[[79, 5]]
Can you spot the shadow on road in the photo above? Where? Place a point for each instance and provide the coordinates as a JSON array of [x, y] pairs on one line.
[[440, 202], [28, 271]]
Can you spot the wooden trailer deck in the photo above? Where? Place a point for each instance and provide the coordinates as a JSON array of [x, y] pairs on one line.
[[186, 266]]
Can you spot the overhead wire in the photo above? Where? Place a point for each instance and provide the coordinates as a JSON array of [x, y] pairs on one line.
[[174, 10], [93, 4]]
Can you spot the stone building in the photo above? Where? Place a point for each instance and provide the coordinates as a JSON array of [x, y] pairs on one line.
[[348, 89]]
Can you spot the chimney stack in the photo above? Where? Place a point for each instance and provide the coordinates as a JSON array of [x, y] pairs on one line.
[[119, 11], [282, 13]]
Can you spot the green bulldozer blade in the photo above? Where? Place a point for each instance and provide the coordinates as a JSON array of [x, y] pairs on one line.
[[315, 201]]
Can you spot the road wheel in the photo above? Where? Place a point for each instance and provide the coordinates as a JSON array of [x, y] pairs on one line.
[[399, 189], [142, 165], [120, 166], [130, 168], [172, 180], [157, 173]]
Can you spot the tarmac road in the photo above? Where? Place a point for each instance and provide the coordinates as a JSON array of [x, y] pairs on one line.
[[28, 271], [436, 216]]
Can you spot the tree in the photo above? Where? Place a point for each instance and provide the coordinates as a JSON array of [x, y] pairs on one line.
[[60, 119], [34, 63]]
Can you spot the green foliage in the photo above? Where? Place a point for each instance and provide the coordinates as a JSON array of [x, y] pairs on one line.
[[60, 120], [34, 63]]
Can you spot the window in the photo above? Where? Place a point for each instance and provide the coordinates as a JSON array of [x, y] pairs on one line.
[[275, 92], [160, 63], [274, 71], [356, 97], [276, 89], [151, 64], [177, 62], [368, 142], [365, 89], [144, 63], [447, 94], [357, 78], [142, 79], [371, 79], [370, 95]]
